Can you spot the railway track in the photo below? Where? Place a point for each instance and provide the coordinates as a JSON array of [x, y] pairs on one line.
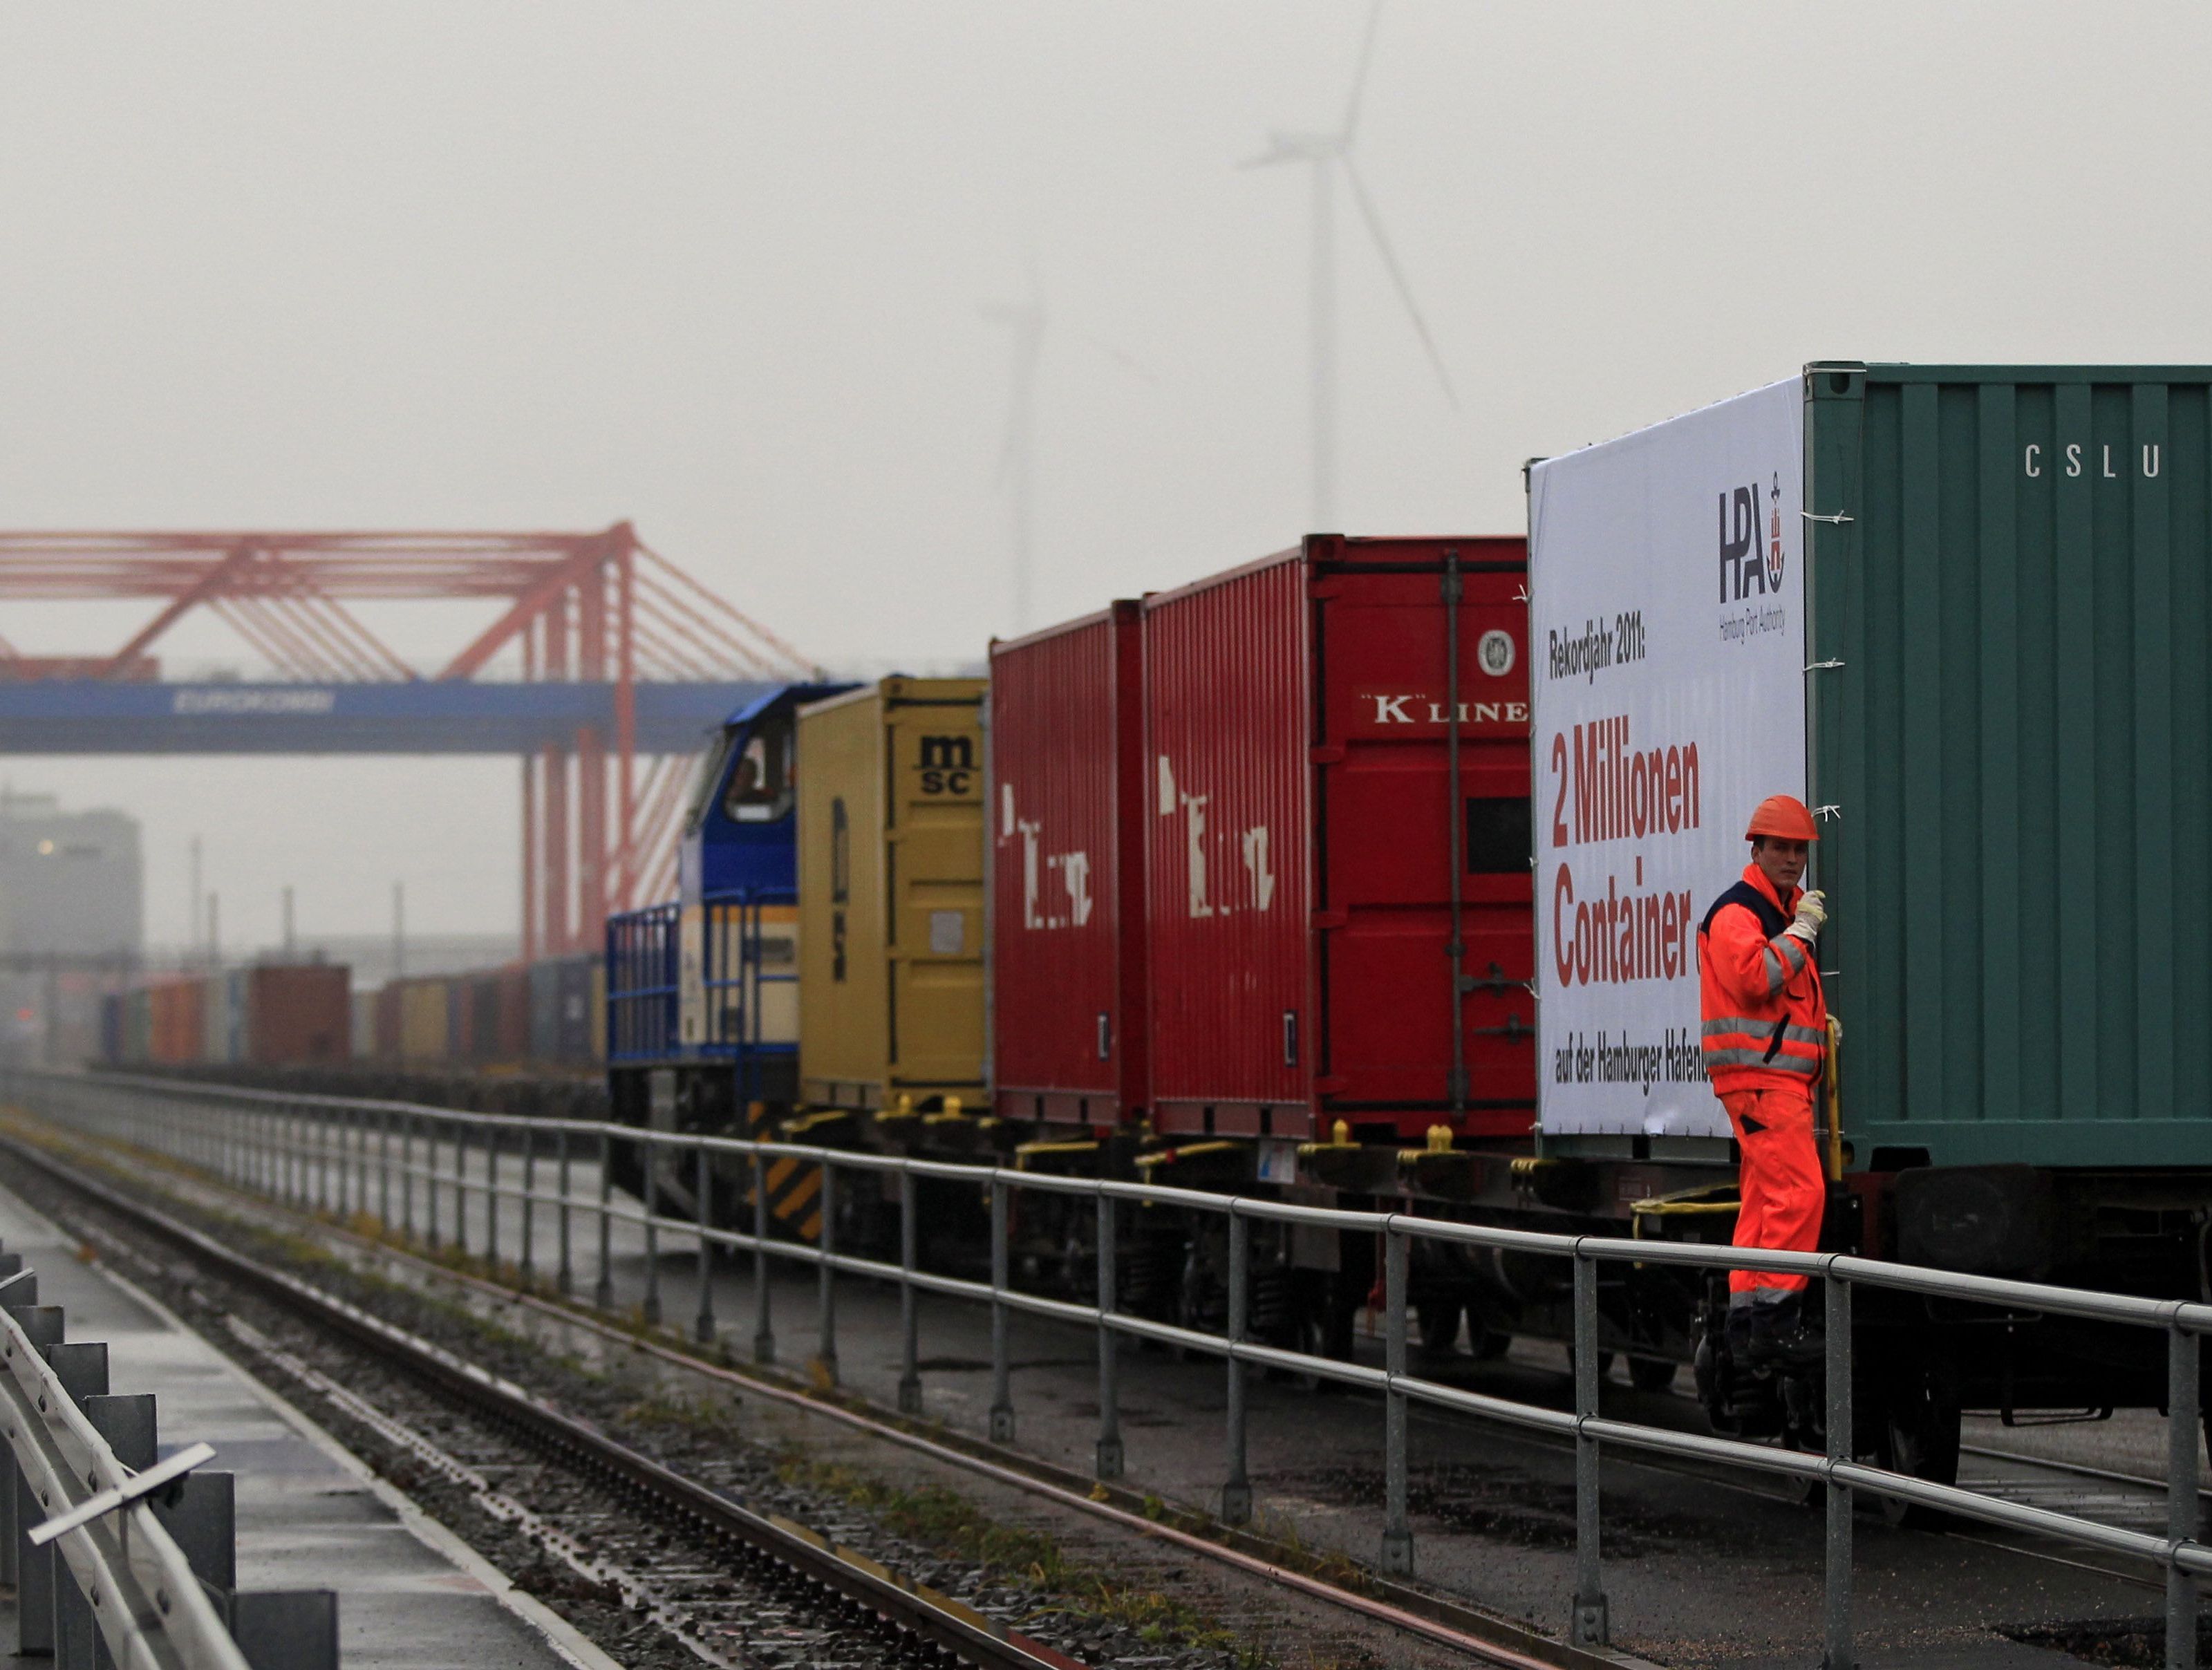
[[910, 1613], [2038, 1480], [734, 1587]]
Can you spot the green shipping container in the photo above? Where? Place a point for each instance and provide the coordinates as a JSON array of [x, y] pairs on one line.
[[2016, 739], [2004, 707]]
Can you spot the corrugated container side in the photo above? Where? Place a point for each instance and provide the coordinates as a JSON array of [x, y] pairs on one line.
[[844, 966], [298, 1014], [177, 1021], [513, 1014], [1388, 819], [1067, 773], [1227, 720], [2014, 742], [422, 1021], [1302, 822], [891, 894], [461, 1019]]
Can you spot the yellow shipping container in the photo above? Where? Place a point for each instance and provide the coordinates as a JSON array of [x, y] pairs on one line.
[[423, 1023], [890, 895]]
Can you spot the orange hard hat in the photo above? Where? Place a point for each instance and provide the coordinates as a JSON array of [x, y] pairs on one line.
[[1782, 814]]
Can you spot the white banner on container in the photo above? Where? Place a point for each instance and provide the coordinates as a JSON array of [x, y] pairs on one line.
[[1667, 624]]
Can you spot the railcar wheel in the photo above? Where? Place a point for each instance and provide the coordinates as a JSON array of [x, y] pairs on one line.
[[1918, 1435]]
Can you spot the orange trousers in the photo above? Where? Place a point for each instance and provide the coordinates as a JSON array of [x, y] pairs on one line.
[[1782, 1185]]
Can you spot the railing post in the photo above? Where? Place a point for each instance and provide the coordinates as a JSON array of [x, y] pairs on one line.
[[2182, 1421], [1237, 1492], [1591, 1626], [384, 1169], [1397, 1533], [909, 1386], [763, 1333], [529, 1205], [461, 1190], [1002, 1390], [825, 1303], [1110, 1457], [492, 1197], [430, 1179], [567, 1279], [603, 1292], [652, 1235], [702, 1325], [407, 1122], [1837, 1607]]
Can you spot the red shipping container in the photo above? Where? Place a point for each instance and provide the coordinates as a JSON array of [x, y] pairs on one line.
[[176, 1036], [1300, 842], [1067, 942], [300, 1013]]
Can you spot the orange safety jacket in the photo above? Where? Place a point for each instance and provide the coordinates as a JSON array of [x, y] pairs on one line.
[[1765, 1018]]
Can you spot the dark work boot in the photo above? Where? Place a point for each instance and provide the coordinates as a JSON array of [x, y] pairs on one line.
[[1782, 1333]]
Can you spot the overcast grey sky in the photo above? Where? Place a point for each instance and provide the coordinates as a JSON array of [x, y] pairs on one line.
[[718, 268]]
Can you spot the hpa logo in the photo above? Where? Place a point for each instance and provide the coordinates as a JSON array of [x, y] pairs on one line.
[[1744, 568]]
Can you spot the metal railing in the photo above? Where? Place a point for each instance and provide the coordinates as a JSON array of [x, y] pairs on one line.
[[118, 1558], [344, 1155]]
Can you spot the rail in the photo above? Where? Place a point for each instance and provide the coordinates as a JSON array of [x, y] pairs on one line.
[[108, 1547], [346, 1155]]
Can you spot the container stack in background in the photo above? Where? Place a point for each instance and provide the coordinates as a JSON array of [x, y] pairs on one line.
[[512, 1020]]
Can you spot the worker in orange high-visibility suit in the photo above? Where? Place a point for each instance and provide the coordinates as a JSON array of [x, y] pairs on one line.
[[1766, 1040]]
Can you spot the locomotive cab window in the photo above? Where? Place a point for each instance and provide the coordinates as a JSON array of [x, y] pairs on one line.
[[703, 790], [1500, 838], [760, 778]]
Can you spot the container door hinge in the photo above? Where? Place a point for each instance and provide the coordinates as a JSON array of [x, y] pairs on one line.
[[1835, 521]]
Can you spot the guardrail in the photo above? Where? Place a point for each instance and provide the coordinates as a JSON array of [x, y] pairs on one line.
[[118, 1558], [340, 1155]]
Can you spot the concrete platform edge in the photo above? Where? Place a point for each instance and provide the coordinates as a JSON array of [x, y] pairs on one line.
[[562, 1636]]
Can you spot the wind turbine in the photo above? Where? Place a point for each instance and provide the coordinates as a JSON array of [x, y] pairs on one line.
[[1328, 154], [1017, 454]]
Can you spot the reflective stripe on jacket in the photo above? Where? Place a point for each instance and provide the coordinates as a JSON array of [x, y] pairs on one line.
[[1759, 987]]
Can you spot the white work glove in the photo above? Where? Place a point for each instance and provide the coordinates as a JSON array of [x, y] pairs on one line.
[[1811, 916]]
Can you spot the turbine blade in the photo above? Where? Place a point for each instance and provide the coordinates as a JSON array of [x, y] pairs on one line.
[[1120, 356], [1398, 277], [1360, 76]]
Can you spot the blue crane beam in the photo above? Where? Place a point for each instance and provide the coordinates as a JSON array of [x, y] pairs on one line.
[[98, 716]]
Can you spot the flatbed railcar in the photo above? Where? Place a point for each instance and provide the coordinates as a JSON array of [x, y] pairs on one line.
[[1281, 863]]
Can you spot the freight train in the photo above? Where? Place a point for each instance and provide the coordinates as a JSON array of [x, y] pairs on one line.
[[1367, 875]]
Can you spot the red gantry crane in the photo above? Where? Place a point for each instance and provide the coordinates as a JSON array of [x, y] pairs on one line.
[[615, 662]]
